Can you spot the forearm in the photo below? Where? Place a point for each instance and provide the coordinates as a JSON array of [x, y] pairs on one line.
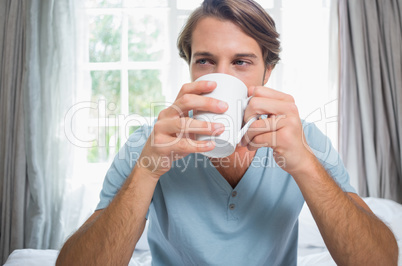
[[110, 237], [353, 235]]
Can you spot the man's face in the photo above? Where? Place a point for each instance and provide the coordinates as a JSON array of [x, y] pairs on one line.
[[222, 47]]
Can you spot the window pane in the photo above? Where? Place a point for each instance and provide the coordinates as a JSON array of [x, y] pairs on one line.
[[188, 4], [105, 145], [147, 37], [105, 38], [145, 89], [102, 3], [146, 3], [106, 88]]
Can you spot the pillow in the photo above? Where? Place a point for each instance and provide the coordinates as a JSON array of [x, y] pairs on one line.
[[309, 235], [32, 257], [142, 243], [388, 211]]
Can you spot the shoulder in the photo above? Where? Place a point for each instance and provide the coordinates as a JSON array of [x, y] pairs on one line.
[[140, 136], [328, 156], [313, 134], [320, 144], [122, 164], [317, 140]]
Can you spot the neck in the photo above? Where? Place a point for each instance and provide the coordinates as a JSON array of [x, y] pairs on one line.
[[233, 167]]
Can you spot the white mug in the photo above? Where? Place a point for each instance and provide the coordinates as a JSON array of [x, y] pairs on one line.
[[234, 92]]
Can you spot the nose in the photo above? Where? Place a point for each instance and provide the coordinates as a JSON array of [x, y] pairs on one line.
[[224, 68]]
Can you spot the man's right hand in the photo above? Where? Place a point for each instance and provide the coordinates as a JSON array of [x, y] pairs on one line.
[[173, 135]]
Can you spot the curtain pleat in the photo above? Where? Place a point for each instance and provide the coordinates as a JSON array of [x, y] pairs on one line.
[[371, 95], [49, 93], [13, 182]]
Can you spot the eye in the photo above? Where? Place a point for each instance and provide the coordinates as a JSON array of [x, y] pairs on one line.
[[202, 61], [240, 62]]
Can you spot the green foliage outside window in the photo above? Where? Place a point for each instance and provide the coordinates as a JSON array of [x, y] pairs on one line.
[[145, 43], [144, 89], [106, 86], [105, 39]]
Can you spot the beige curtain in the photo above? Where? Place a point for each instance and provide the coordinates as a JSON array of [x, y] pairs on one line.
[[371, 95], [13, 182]]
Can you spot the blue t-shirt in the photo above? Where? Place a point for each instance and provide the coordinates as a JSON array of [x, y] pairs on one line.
[[197, 218]]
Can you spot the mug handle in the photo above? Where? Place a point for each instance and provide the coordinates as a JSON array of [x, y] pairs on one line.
[[249, 122], [245, 128]]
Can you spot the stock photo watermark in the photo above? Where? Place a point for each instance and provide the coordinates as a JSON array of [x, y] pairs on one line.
[[183, 163], [76, 123]]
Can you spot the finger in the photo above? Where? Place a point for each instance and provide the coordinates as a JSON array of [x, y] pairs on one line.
[[262, 126], [166, 144], [186, 146], [267, 139], [195, 102], [261, 106], [186, 125], [261, 91], [197, 87]]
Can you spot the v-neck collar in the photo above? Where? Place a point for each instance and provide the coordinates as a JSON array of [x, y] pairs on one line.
[[223, 183]]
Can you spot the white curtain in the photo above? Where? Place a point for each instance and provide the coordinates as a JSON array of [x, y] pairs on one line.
[[50, 85], [307, 64]]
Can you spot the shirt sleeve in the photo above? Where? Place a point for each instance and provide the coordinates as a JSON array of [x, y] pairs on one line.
[[327, 155], [122, 165]]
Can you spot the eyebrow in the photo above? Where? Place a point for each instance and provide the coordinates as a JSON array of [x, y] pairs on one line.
[[246, 55], [208, 54], [202, 54]]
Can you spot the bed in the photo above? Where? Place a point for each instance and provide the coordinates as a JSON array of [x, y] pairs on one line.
[[311, 251]]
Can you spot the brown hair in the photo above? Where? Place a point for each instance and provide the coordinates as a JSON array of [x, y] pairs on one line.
[[246, 14]]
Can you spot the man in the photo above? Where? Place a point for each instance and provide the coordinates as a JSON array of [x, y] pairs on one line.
[[230, 211]]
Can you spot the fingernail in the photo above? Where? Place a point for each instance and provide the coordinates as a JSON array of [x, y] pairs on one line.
[[222, 105], [209, 144], [211, 84], [218, 126]]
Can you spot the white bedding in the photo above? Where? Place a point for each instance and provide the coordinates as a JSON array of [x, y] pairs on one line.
[[312, 250]]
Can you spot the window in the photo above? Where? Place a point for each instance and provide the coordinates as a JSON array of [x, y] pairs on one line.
[[128, 63]]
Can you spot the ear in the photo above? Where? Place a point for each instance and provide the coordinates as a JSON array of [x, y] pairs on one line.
[[267, 74]]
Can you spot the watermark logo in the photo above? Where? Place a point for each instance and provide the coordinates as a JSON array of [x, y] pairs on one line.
[[76, 122]]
